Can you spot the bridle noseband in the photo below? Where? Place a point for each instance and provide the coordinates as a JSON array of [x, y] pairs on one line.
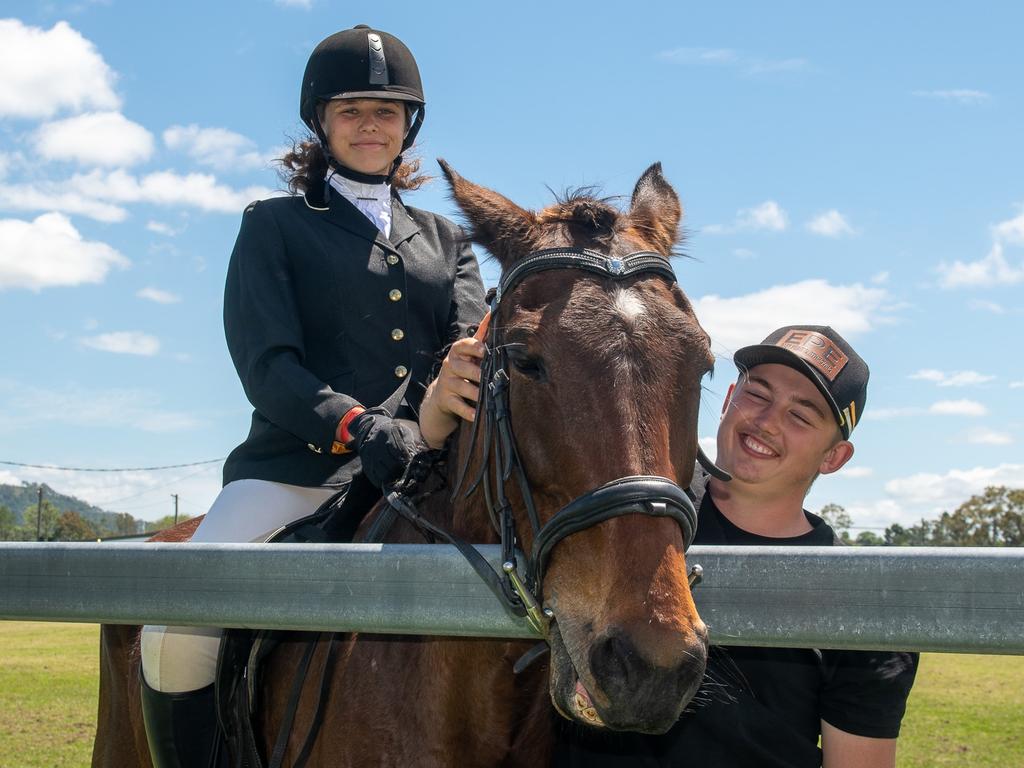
[[644, 495]]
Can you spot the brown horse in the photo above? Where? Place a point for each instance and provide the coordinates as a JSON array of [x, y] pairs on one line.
[[600, 374]]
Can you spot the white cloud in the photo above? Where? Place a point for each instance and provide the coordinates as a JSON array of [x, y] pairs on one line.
[[1010, 231], [830, 224], [95, 138], [955, 379], [993, 269], [49, 251], [44, 71], [881, 278], [48, 196], [988, 306], [700, 55], [958, 408], [989, 437], [157, 295], [741, 320], [960, 95], [124, 342], [710, 445], [161, 229], [768, 215], [215, 147], [304, 4], [854, 473], [948, 491], [199, 190], [101, 194], [96, 408], [1016, 384], [744, 253], [748, 65], [887, 414]]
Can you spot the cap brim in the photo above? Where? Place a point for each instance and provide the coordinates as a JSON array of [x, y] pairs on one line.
[[761, 354]]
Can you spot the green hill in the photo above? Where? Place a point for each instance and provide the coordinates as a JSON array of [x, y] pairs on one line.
[[19, 498]]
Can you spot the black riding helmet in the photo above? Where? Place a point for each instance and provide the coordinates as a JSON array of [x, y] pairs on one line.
[[361, 63]]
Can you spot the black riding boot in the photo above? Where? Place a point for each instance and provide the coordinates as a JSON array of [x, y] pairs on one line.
[[181, 728]]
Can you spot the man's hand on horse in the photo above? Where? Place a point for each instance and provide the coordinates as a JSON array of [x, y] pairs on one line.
[[452, 395]]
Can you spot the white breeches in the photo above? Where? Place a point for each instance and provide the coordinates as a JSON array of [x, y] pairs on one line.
[[178, 659]]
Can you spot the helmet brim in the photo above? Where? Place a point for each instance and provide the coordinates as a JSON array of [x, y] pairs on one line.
[[383, 95]]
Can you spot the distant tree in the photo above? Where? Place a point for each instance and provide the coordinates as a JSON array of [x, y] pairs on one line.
[[915, 536], [869, 539], [8, 523], [42, 520], [990, 519], [125, 524], [71, 526], [117, 524], [836, 516]]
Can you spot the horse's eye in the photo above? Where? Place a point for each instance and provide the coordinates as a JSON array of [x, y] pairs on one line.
[[527, 365]]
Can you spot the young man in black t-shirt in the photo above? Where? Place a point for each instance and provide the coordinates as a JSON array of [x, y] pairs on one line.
[[785, 421]]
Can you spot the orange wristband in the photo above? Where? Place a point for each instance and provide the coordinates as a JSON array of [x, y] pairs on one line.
[[343, 438]]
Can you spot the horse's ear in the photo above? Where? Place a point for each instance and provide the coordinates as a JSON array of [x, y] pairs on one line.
[[498, 224], [655, 210]]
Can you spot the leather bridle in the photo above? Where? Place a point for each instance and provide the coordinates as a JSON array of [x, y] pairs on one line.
[[644, 495]]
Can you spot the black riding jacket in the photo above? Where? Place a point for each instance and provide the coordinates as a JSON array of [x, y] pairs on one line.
[[323, 312]]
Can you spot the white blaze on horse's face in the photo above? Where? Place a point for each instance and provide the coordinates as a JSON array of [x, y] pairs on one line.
[[628, 304]]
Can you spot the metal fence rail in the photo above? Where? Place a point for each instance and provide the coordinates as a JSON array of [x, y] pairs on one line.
[[929, 599]]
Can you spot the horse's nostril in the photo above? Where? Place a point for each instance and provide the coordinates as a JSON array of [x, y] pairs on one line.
[[638, 694], [616, 663]]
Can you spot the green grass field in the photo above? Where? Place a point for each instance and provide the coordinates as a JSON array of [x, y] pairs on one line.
[[965, 711]]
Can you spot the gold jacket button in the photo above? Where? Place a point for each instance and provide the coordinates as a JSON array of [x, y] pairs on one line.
[[401, 372], [397, 334], [392, 259], [395, 295]]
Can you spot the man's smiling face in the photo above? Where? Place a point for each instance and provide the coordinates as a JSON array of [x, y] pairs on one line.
[[777, 431]]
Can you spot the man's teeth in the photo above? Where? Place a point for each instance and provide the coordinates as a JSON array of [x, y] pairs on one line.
[[757, 447]]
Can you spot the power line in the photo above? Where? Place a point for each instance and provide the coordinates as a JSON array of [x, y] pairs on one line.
[[110, 469], [161, 487]]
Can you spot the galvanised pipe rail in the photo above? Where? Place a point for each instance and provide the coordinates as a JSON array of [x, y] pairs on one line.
[[929, 599]]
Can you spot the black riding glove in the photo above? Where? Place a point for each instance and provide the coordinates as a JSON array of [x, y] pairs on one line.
[[385, 444]]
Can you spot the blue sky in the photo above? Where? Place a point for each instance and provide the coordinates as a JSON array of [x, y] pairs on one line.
[[858, 166]]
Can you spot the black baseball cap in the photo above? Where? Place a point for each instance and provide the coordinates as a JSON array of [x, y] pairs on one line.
[[823, 356]]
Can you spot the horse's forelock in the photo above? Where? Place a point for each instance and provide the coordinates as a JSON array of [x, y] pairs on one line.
[[594, 217]]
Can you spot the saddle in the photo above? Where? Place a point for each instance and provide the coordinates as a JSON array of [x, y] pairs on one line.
[[243, 652]]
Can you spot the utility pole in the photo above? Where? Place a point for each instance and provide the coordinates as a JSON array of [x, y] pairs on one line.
[[175, 497], [39, 515]]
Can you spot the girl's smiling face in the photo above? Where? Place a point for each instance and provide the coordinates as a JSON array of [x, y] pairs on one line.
[[365, 135]]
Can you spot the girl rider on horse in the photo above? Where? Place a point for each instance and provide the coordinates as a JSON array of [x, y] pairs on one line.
[[336, 297]]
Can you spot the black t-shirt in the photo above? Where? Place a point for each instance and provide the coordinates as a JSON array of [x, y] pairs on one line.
[[760, 707]]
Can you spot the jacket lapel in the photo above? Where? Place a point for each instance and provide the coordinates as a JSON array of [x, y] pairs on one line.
[[402, 225], [343, 214]]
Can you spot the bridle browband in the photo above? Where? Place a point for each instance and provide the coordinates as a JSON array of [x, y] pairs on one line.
[[645, 495]]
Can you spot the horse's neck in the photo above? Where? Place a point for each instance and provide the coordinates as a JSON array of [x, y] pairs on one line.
[[465, 514]]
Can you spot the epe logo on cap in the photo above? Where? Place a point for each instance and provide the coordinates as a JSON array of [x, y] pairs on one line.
[[817, 349]]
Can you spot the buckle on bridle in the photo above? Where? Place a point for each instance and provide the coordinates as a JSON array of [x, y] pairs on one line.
[[540, 619]]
